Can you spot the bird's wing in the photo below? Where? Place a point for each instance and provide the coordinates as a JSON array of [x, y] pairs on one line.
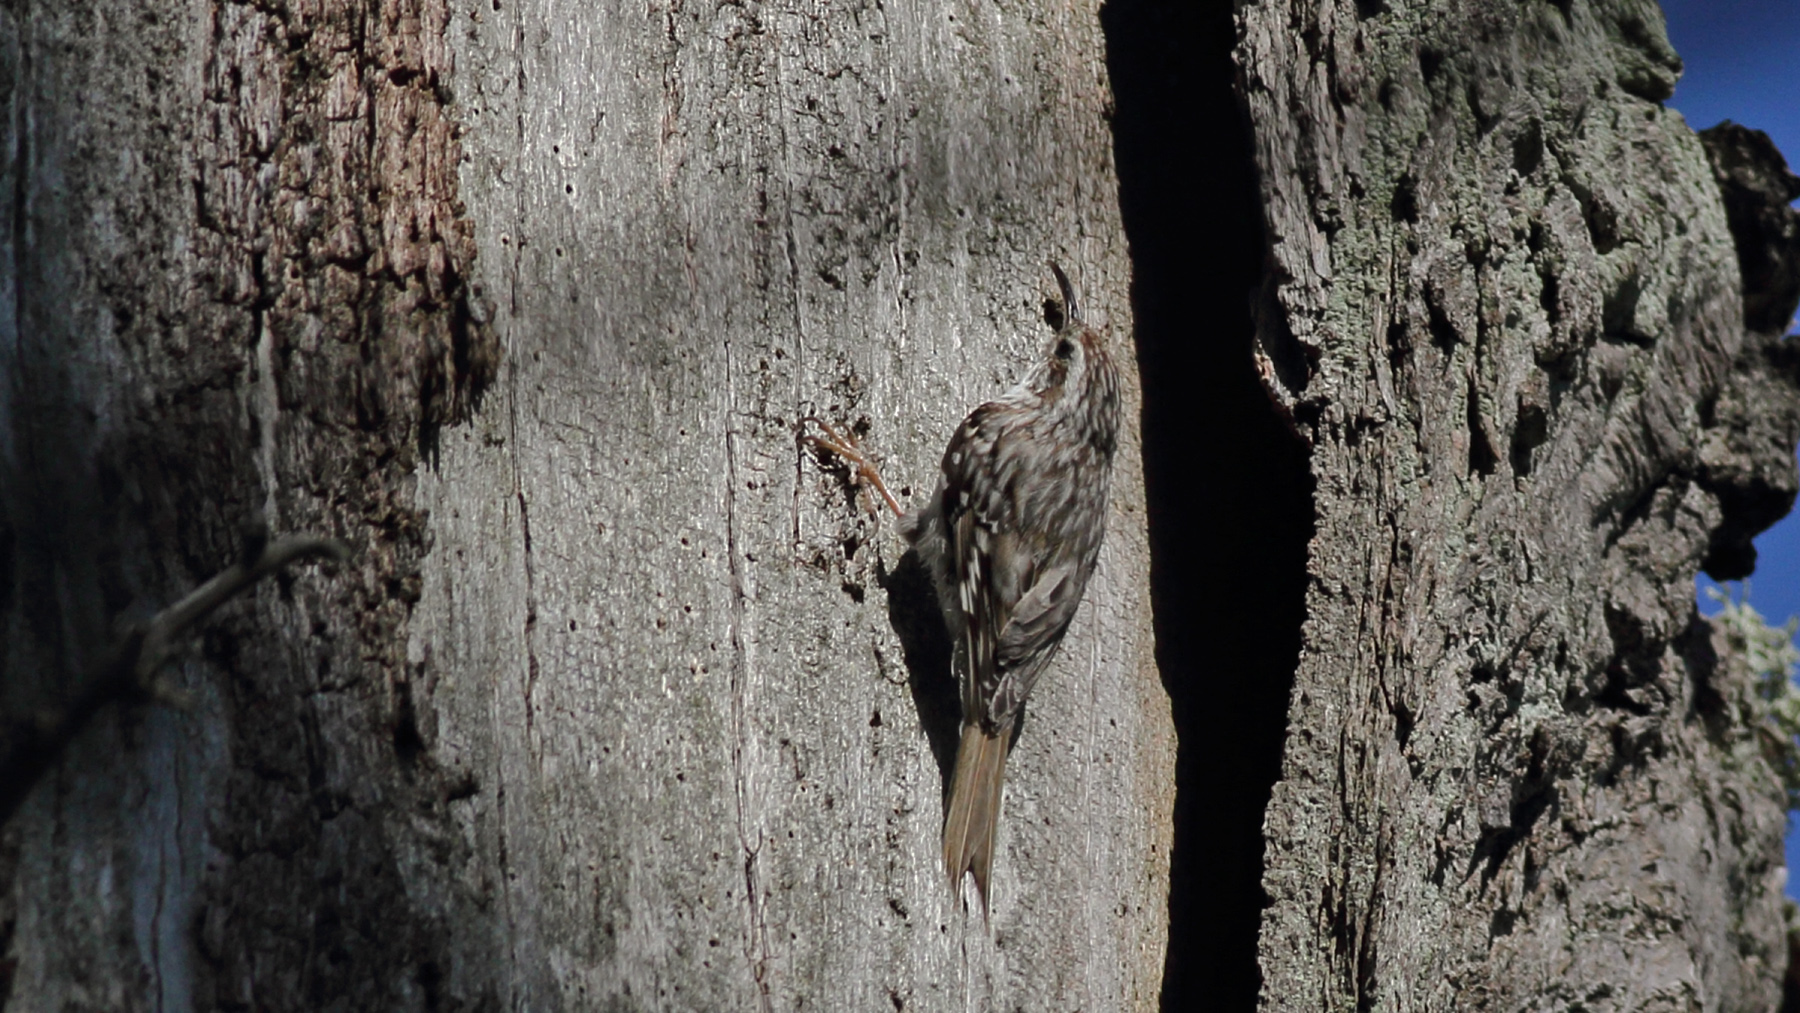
[[1029, 638], [989, 562]]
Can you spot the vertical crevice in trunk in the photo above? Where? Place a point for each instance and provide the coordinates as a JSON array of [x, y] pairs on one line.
[[1230, 507]]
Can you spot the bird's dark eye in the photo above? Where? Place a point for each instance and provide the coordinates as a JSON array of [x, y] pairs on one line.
[[1065, 349]]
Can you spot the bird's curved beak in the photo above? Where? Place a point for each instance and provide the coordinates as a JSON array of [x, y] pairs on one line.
[[1071, 300]]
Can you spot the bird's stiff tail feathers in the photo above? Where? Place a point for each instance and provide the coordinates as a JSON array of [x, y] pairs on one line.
[[972, 819]]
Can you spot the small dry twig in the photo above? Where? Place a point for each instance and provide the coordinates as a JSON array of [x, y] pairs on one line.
[[36, 743]]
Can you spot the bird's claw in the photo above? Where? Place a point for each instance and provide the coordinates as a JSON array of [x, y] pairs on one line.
[[845, 446]]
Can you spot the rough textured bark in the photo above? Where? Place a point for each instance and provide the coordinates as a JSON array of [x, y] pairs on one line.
[[232, 283], [624, 701], [1504, 307]]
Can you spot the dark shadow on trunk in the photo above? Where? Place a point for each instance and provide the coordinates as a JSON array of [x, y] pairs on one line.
[[1230, 498], [913, 613]]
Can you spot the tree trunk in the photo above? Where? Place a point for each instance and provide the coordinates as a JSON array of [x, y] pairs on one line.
[[626, 700], [1507, 315]]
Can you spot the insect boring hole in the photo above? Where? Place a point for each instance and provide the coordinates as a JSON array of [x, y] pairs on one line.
[[1054, 313]]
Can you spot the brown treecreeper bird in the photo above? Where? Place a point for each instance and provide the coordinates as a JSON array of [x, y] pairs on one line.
[[1010, 538]]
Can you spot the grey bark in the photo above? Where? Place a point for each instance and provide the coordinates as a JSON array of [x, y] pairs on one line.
[[1505, 310], [706, 756], [624, 700]]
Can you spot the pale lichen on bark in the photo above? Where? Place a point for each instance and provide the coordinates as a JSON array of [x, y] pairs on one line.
[[1506, 274]]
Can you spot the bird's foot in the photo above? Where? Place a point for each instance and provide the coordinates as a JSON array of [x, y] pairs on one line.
[[846, 447]]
